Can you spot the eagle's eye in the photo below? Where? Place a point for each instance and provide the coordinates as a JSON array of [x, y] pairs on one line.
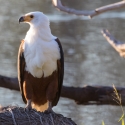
[[31, 16]]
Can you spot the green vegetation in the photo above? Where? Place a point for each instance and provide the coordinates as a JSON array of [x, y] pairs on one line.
[[117, 98], [103, 123]]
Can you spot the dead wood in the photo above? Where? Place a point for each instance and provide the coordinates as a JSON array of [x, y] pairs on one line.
[[88, 95], [116, 44], [57, 4], [10, 83], [12, 115]]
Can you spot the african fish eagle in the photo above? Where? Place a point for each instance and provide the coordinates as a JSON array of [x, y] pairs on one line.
[[40, 64]]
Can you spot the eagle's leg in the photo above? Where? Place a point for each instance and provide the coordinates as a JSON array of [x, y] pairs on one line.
[[28, 94], [49, 106], [51, 93], [28, 105]]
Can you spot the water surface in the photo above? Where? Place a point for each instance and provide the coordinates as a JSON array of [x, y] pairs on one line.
[[89, 59]]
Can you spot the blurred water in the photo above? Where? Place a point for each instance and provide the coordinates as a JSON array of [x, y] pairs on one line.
[[89, 59]]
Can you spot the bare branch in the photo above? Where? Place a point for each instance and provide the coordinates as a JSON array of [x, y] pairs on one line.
[[116, 44], [58, 5], [109, 7], [92, 13], [87, 95]]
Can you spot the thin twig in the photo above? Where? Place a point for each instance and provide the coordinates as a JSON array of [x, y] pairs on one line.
[[109, 7], [91, 13], [59, 6], [116, 44]]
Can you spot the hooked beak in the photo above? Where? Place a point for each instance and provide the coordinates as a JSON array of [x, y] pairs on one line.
[[21, 19]]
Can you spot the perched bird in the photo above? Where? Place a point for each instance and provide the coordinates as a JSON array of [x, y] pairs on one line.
[[40, 64]]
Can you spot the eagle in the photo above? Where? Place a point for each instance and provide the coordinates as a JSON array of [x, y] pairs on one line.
[[40, 64]]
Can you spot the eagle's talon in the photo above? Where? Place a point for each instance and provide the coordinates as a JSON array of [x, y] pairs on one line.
[[28, 107], [48, 111]]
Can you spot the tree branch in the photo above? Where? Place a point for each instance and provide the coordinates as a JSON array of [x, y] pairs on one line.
[[116, 44], [86, 95], [92, 13], [19, 116], [59, 6], [109, 7], [10, 83]]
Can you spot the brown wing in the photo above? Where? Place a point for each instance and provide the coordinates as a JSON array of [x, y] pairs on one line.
[[21, 67], [60, 65]]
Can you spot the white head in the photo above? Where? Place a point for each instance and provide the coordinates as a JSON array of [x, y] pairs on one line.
[[35, 19], [39, 25]]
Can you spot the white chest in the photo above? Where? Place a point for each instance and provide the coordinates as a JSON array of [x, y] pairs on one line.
[[41, 56]]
